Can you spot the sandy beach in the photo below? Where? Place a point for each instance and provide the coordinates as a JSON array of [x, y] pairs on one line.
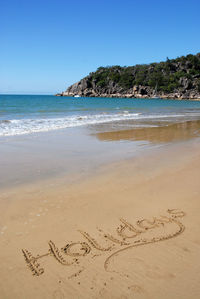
[[125, 225], [99, 150]]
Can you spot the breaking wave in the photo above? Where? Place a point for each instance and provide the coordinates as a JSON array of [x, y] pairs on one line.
[[27, 126]]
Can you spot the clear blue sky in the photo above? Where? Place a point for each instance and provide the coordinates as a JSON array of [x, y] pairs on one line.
[[46, 45]]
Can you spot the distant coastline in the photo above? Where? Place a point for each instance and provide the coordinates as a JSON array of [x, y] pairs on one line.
[[173, 79], [128, 96]]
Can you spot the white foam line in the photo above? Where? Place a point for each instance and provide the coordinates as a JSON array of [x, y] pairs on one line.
[[27, 126]]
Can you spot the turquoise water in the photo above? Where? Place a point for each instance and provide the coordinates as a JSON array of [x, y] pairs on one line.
[[24, 114]]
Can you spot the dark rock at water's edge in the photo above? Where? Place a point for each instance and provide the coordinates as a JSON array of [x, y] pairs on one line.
[[173, 79]]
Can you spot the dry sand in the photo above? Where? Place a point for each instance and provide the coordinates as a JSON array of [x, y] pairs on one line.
[[130, 231]]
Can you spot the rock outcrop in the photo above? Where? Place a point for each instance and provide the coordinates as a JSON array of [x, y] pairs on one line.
[[174, 79]]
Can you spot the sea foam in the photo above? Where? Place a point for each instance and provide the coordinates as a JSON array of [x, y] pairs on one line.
[[27, 126]]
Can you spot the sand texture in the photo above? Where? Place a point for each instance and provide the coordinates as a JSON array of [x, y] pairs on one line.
[[130, 231]]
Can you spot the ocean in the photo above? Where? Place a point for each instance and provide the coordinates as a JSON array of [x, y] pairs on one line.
[[26, 114]]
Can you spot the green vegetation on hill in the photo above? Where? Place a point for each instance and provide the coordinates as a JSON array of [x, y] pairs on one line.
[[174, 78], [167, 76]]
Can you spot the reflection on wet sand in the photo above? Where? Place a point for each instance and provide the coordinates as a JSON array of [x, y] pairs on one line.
[[160, 134]]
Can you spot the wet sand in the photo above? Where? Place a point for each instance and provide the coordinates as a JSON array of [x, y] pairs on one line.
[[126, 228], [156, 135], [73, 152]]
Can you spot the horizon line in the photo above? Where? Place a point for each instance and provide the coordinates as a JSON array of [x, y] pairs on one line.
[[30, 94]]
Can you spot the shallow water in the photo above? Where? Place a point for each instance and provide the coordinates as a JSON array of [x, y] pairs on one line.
[[24, 114]]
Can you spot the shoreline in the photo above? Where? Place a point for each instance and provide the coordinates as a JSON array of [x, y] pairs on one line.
[[74, 153], [81, 151], [96, 232], [111, 96]]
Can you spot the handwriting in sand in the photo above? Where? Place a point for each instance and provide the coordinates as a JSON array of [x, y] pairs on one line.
[[127, 237]]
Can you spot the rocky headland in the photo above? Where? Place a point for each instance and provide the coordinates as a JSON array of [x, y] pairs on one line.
[[173, 79]]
